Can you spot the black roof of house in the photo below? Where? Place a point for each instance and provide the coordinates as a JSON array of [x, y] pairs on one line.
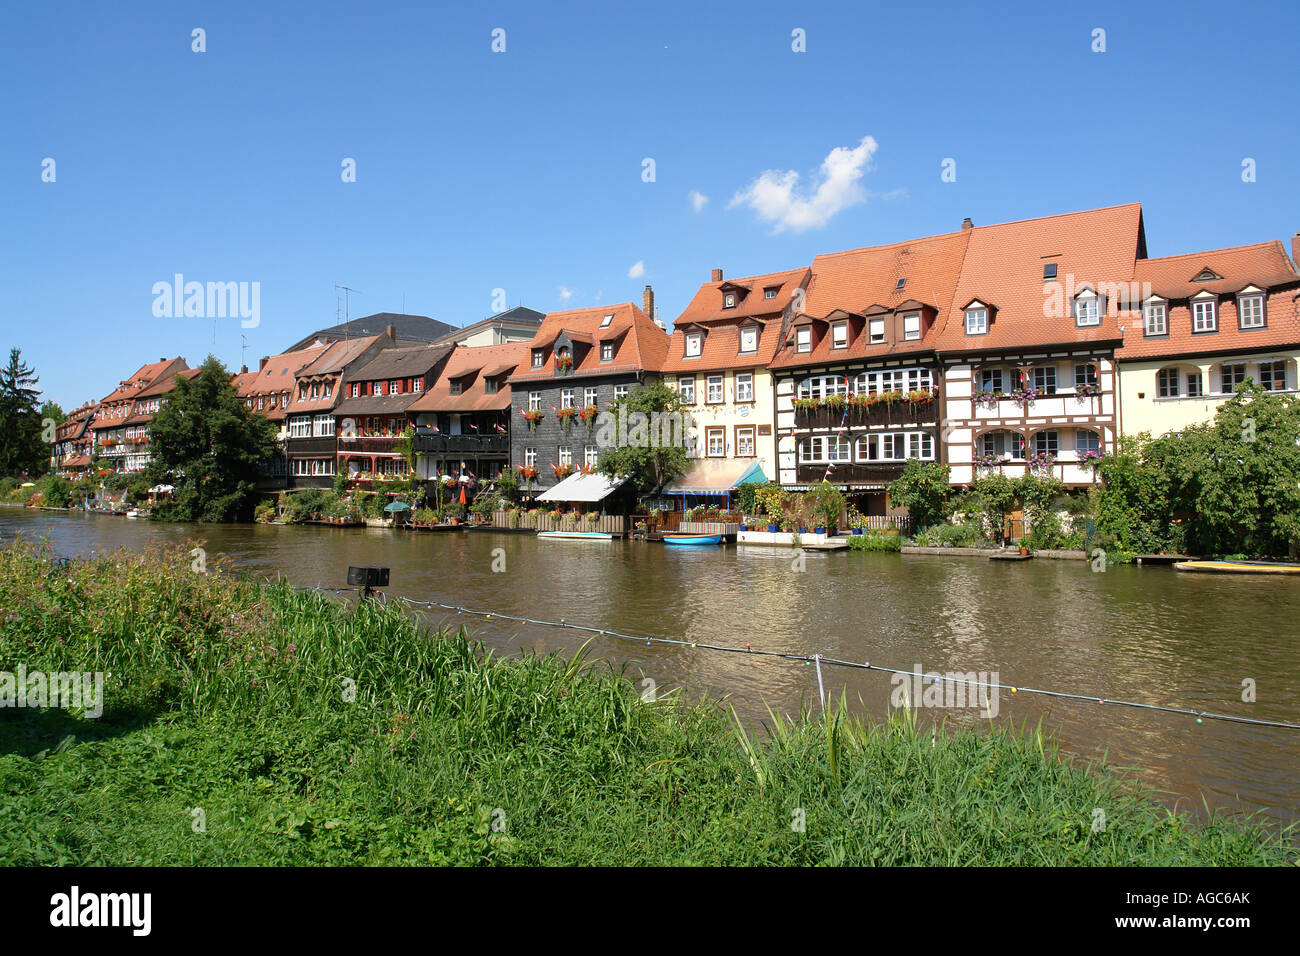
[[410, 329]]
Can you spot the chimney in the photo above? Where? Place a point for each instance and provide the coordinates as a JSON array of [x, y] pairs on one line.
[[262, 364], [967, 224], [1295, 248], [243, 369], [717, 275], [392, 333], [648, 302]]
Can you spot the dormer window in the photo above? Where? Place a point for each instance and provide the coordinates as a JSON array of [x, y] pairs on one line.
[[729, 300], [490, 386], [876, 331], [456, 386], [607, 351], [749, 339], [604, 323], [1155, 319], [803, 340], [840, 335], [539, 358], [1250, 311], [1087, 309], [770, 292], [1203, 316], [977, 320], [694, 344], [912, 326]]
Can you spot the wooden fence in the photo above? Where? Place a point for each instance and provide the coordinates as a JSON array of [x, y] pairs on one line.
[[609, 524]]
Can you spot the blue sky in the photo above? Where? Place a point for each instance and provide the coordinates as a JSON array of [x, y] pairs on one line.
[[523, 170]]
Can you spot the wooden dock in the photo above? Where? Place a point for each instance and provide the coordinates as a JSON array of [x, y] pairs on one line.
[[1010, 556], [831, 544]]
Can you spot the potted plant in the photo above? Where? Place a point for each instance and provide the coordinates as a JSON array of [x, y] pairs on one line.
[[857, 521]]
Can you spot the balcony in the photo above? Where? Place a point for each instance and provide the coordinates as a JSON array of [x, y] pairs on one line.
[[322, 446], [439, 443], [849, 474], [881, 413], [369, 444]]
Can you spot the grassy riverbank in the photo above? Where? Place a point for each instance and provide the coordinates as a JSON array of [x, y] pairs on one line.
[[232, 698]]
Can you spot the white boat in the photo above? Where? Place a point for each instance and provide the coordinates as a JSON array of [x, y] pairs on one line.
[[581, 535], [133, 513]]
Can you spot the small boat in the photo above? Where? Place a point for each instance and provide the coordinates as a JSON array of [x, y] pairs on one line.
[[580, 535], [1238, 567], [133, 513], [692, 539]]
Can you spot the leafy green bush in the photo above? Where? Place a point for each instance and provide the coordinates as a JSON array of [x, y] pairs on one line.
[[875, 541]]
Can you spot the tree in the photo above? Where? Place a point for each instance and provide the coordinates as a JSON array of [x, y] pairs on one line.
[[209, 447], [922, 489], [23, 448], [643, 437]]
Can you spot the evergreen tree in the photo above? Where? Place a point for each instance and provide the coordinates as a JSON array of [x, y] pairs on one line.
[[23, 449], [206, 444]]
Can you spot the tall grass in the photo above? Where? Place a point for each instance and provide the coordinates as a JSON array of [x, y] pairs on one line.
[[300, 730]]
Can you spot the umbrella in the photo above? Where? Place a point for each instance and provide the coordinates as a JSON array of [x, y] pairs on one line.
[[398, 506], [462, 494]]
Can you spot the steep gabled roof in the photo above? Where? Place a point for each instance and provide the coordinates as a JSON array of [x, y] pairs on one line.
[[482, 362], [1004, 266], [409, 329], [639, 343], [1264, 265]]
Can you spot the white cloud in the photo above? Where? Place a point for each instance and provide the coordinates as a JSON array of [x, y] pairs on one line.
[[698, 199], [565, 294], [637, 270], [775, 197]]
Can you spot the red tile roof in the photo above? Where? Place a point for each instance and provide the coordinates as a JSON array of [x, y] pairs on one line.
[[1264, 265], [146, 376], [721, 346], [639, 343], [330, 361], [481, 362], [1003, 268], [863, 280]]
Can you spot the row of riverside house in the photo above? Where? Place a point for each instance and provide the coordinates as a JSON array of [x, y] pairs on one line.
[[990, 348]]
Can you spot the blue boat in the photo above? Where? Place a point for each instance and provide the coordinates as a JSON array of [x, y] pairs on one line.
[[692, 539]]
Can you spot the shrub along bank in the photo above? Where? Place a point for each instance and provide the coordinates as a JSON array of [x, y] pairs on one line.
[[253, 724]]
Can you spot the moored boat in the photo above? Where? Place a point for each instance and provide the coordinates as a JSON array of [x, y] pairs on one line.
[[1238, 567], [692, 539], [581, 535]]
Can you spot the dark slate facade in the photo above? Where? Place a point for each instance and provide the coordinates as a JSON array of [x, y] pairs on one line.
[[549, 436]]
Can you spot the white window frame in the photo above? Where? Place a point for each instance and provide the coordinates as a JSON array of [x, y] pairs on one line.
[[1256, 311], [534, 401], [530, 456], [876, 331], [694, 344], [977, 321], [746, 442], [686, 388], [1163, 383], [566, 398], [1087, 310], [1083, 444], [620, 391], [590, 396], [749, 339], [912, 326], [1204, 316], [839, 335], [1155, 319], [719, 450], [590, 456], [744, 387], [714, 389], [565, 455], [803, 339], [1046, 374]]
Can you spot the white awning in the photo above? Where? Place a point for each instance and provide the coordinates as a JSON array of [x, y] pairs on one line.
[[580, 487]]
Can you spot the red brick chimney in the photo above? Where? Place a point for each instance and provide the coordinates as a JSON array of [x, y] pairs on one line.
[[1295, 249], [717, 275], [648, 302], [967, 224], [261, 364], [392, 333]]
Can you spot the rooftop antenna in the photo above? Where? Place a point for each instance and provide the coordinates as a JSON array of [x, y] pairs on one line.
[[243, 350], [347, 309]]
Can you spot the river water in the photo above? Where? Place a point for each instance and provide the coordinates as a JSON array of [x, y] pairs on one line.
[[1152, 635]]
